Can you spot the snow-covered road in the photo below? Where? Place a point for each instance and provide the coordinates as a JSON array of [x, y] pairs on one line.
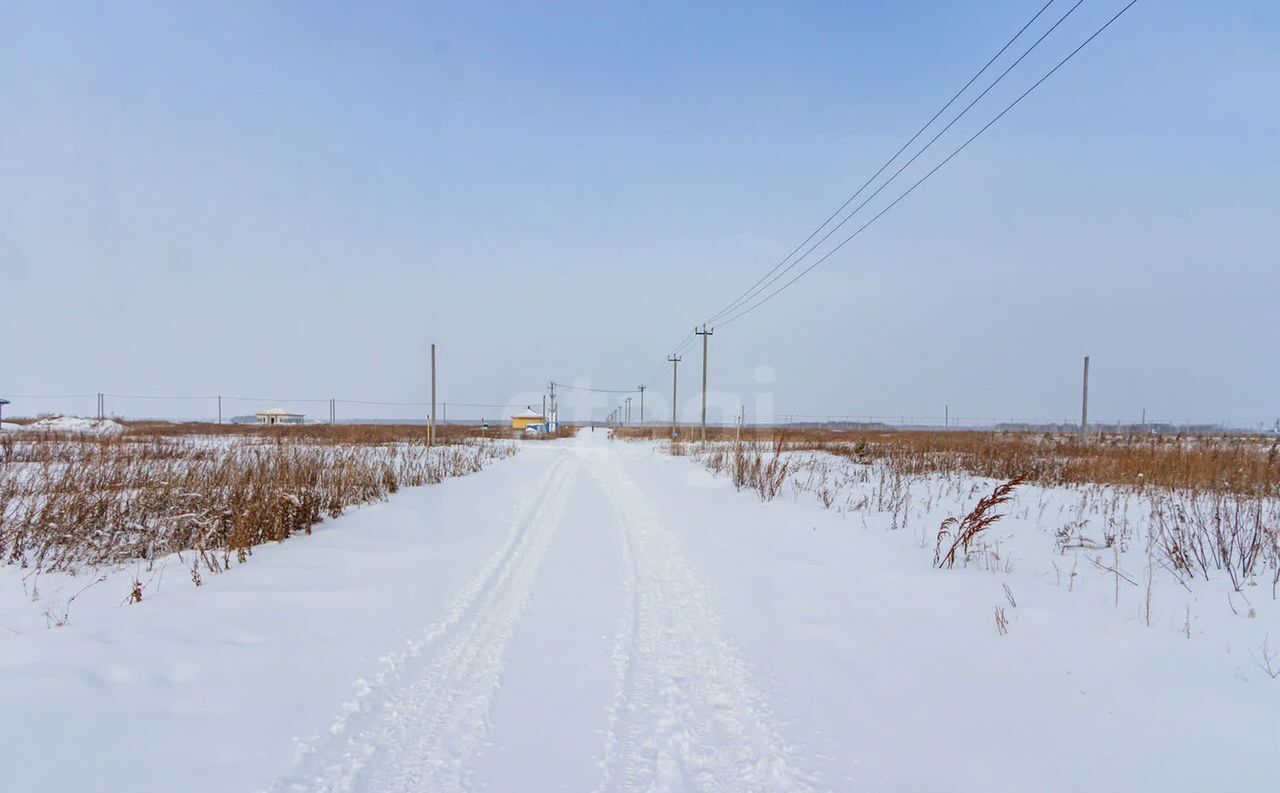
[[592, 616], [674, 706]]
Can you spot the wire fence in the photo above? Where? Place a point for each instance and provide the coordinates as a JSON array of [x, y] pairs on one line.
[[231, 408], [1116, 425], [245, 409]]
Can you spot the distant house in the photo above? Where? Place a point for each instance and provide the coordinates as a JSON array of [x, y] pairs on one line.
[[528, 418], [279, 416]]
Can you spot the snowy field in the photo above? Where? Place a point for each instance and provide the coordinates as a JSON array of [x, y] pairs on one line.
[[597, 615]]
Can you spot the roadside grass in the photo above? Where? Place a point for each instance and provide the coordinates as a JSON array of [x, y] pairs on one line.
[[71, 503], [1242, 464], [334, 433], [1201, 507]]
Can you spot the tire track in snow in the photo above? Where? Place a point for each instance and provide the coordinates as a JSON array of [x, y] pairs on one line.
[[424, 716], [686, 715]]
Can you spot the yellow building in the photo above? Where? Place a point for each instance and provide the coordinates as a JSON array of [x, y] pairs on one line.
[[529, 418]]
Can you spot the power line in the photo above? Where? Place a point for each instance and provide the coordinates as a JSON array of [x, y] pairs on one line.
[[747, 294], [743, 312], [922, 150], [148, 396], [681, 347], [405, 404], [478, 405], [598, 390], [269, 399], [189, 397]]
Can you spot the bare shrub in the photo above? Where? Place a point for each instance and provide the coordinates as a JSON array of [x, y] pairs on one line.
[[750, 467], [1266, 659], [1197, 533]]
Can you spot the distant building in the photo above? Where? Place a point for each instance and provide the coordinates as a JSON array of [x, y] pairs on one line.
[[3, 402], [528, 418], [279, 416]]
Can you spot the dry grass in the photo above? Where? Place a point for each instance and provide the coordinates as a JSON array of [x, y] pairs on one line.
[[1241, 464], [71, 503], [1202, 506], [331, 433], [962, 533], [751, 467]]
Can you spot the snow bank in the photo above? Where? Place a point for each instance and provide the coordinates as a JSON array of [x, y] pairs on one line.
[[70, 425]]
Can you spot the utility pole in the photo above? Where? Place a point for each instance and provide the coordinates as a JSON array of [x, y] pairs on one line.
[[219, 409], [553, 422], [1084, 406], [444, 412], [642, 406], [946, 416], [705, 334], [431, 419], [546, 422], [675, 370]]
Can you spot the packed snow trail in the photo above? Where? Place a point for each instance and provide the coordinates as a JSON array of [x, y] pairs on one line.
[[425, 719], [684, 714]]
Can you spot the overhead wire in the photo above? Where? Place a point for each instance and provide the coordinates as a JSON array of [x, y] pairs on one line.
[[374, 402], [774, 279], [748, 293], [269, 399], [748, 309], [597, 390], [148, 396]]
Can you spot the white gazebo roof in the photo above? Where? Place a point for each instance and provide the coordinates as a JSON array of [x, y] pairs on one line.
[[277, 412], [528, 413]]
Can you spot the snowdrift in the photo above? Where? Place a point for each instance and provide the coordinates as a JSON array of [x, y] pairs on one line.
[[70, 425]]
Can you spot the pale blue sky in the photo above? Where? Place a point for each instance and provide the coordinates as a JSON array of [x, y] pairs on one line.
[[294, 199]]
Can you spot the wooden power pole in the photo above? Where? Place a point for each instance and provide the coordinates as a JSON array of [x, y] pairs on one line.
[[675, 369], [642, 406], [705, 334]]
